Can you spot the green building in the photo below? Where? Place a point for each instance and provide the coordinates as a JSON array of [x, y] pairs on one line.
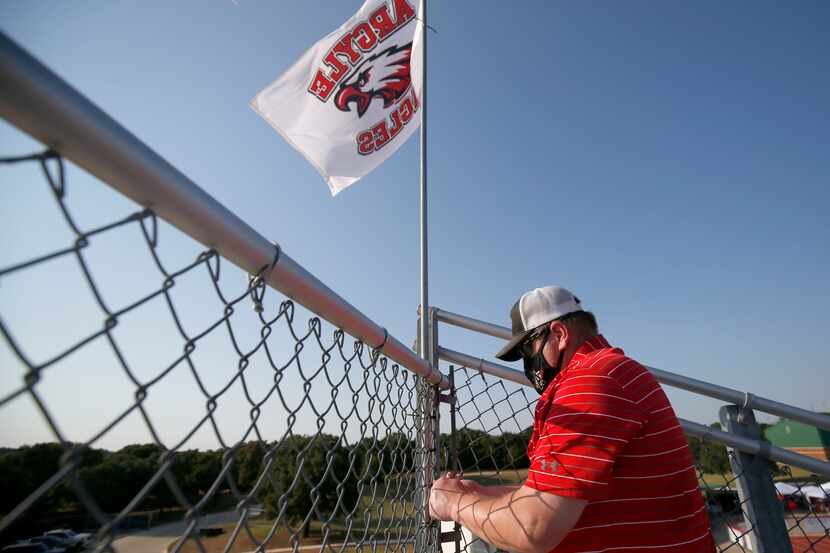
[[800, 438]]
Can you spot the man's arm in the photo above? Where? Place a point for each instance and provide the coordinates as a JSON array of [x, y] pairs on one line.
[[521, 520], [494, 491]]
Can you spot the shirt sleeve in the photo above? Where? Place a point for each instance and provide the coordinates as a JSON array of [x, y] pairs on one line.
[[590, 421]]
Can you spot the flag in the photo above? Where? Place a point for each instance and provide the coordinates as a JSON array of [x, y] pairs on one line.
[[350, 102]]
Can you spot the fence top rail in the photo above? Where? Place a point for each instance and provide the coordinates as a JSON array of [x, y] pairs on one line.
[[730, 395], [483, 365], [748, 445], [40, 103], [755, 447]]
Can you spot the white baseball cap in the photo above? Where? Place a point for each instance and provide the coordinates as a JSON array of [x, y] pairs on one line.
[[535, 308]]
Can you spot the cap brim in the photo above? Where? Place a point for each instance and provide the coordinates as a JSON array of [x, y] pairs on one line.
[[510, 352]]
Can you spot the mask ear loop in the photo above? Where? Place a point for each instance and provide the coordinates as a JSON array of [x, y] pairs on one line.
[[550, 372], [554, 370]]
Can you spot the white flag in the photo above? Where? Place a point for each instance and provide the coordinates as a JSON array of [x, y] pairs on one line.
[[349, 102]]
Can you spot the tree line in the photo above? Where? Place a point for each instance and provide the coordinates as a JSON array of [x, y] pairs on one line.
[[304, 472], [114, 478], [320, 473]]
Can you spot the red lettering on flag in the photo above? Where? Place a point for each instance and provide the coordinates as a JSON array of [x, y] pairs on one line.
[[364, 37], [321, 86], [397, 125], [365, 145], [381, 21], [339, 68], [403, 13], [344, 46], [381, 133]]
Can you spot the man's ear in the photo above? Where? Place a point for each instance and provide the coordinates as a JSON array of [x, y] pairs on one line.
[[561, 334]]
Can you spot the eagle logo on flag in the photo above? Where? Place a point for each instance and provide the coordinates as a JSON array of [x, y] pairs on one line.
[[384, 75], [352, 99]]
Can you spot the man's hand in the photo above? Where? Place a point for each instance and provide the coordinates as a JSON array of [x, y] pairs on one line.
[[519, 519], [446, 493]]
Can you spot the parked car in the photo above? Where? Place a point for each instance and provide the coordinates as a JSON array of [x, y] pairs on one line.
[[28, 547], [77, 540]]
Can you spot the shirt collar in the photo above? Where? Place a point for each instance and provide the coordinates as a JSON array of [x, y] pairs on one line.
[[587, 348], [583, 353]]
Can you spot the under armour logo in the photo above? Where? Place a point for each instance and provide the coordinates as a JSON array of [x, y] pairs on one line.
[[549, 465]]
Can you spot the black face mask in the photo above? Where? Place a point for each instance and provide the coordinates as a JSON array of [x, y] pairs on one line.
[[539, 371]]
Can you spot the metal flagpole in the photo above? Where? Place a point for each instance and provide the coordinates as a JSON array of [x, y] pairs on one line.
[[425, 347], [426, 395]]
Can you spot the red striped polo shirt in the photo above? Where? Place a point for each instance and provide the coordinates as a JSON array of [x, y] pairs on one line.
[[604, 431]]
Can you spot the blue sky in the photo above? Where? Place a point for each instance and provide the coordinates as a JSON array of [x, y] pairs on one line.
[[668, 162]]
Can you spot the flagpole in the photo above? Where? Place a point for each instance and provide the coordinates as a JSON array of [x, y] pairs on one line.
[[427, 410], [424, 319]]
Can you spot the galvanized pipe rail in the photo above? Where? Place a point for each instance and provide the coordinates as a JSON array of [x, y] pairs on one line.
[[744, 399], [754, 447], [40, 103]]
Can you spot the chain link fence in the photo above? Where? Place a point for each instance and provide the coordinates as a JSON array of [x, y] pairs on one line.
[[226, 413], [493, 419], [806, 508], [305, 436], [800, 505]]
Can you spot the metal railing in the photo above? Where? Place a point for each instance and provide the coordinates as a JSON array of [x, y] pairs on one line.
[[760, 497], [40, 103], [343, 434], [341, 460]]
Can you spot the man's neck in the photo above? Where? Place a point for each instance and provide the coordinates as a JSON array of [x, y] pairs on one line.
[[579, 339]]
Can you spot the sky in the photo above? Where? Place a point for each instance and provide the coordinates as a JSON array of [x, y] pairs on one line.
[[668, 162]]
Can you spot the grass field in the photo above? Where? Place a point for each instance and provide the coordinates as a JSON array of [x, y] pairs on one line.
[[385, 517], [711, 480], [493, 478], [720, 480], [381, 518]]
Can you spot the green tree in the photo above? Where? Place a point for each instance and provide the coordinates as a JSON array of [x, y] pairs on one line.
[[18, 482], [709, 457], [310, 479], [24, 470], [249, 464], [114, 482], [185, 468], [396, 454], [476, 450], [515, 451]]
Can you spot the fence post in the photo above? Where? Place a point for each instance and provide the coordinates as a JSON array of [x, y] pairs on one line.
[[435, 413], [453, 442], [420, 513], [756, 491], [432, 344], [449, 446], [427, 412]]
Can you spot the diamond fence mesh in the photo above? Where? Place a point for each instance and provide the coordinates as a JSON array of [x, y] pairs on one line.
[[493, 421], [806, 509], [219, 409], [238, 421], [803, 507]]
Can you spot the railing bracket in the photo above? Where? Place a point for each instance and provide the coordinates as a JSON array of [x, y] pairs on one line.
[[446, 537], [447, 398]]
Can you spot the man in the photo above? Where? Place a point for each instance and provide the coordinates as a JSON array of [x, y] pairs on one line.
[[610, 468]]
